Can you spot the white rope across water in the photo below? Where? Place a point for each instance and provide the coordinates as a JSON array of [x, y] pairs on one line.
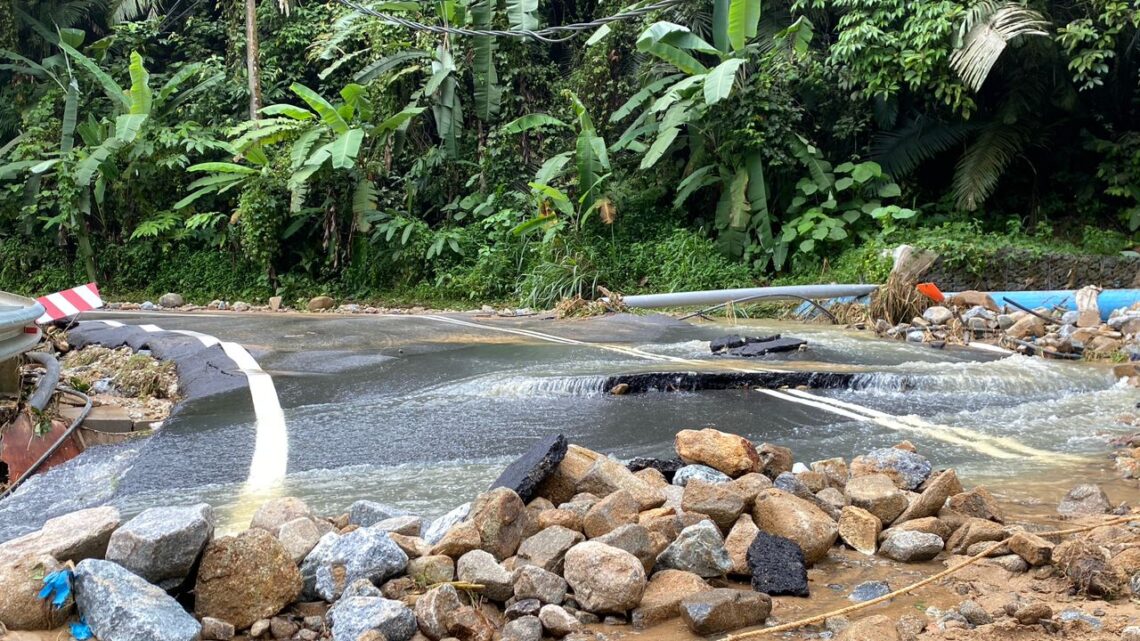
[[996, 447]]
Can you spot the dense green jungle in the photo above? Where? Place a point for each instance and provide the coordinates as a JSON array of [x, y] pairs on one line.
[[458, 152]]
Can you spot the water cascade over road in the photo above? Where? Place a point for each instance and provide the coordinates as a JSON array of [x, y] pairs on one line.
[[423, 412]]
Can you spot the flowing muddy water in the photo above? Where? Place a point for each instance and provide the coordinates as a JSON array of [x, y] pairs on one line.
[[423, 413]]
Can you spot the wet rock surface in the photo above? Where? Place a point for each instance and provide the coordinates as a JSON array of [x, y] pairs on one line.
[[162, 544], [121, 606]]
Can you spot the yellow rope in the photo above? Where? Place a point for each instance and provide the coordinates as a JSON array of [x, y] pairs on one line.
[[914, 586]]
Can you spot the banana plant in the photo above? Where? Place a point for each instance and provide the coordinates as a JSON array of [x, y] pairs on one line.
[[323, 135], [591, 162], [108, 145], [671, 109]]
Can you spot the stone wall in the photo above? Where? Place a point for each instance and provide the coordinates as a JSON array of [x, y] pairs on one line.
[[1019, 270]]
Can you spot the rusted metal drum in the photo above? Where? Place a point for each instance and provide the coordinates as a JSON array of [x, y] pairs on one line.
[[21, 447]]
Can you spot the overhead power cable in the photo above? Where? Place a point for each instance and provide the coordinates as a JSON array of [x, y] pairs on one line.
[[556, 34]]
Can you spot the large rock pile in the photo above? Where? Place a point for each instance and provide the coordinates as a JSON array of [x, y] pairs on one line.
[[596, 542], [1048, 332]]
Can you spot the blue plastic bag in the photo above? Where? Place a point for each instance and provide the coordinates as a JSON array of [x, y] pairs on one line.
[[57, 587], [81, 631]]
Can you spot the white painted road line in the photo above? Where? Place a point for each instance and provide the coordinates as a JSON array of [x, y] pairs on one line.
[[270, 460]]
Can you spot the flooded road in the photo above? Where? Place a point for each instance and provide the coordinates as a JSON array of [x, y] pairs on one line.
[[423, 412]]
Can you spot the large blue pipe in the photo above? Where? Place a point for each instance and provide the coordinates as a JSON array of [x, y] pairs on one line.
[[1107, 301]]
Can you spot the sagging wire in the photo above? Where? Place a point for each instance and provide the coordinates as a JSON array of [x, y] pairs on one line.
[[551, 35]]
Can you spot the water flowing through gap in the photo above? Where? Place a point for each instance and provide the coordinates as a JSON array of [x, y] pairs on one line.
[[423, 415]]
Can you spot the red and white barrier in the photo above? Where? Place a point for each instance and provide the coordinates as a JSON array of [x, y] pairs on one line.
[[69, 302]]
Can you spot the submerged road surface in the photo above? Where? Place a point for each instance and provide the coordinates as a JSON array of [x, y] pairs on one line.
[[424, 411]]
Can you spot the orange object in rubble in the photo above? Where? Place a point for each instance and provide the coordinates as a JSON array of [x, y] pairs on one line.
[[931, 291]]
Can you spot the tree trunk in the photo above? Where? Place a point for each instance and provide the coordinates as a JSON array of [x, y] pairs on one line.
[[252, 58]]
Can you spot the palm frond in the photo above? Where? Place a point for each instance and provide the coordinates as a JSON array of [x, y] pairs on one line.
[[984, 43], [901, 151], [977, 173], [127, 10]]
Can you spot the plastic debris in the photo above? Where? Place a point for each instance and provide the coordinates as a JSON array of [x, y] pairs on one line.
[[57, 587], [80, 630]]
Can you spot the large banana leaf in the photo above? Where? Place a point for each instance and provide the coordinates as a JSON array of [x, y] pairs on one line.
[[488, 93], [127, 127], [674, 56], [521, 14], [664, 139], [732, 210], [289, 111], [364, 199], [694, 182], [720, 25], [400, 119], [551, 168], [141, 95], [388, 63], [110, 87], [70, 116], [720, 81], [758, 192], [329, 115], [344, 150], [89, 166], [222, 168], [743, 22], [641, 96], [531, 121]]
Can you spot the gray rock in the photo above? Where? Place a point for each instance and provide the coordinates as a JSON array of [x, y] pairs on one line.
[[1005, 321], [1084, 500], [634, 539], [366, 553], [547, 549], [274, 513], [434, 608], [974, 613], [407, 525], [71, 537], [1069, 318], [557, 621], [910, 546], [980, 312], [869, 590], [315, 559], [148, 306], [788, 482], [1011, 563], [368, 513], [354, 616], [439, 527], [528, 471], [241, 306], [938, 315], [915, 336], [171, 300], [299, 537], [723, 610], [478, 566], [1131, 633], [528, 628], [698, 549], [523, 608], [912, 469], [703, 472], [121, 606], [161, 544], [535, 583], [216, 629], [1073, 614]]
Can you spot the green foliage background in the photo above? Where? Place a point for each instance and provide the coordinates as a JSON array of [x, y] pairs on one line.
[[700, 146]]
